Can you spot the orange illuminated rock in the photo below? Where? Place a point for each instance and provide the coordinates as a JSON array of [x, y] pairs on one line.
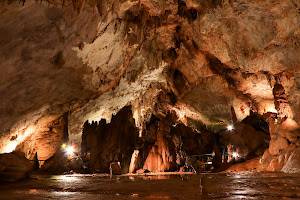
[[46, 140], [272, 121], [250, 165], [162, 155], [277, 145], [265, 160], [282, 154], [290, 130], [281, 102]]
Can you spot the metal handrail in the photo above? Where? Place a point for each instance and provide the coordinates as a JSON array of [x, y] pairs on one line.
[[208, 154]]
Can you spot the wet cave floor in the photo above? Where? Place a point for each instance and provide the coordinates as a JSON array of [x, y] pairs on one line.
[[248, 185]]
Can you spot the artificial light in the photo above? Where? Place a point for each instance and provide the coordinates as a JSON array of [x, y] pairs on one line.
[[236, 155], [230, 127], [70, 150]]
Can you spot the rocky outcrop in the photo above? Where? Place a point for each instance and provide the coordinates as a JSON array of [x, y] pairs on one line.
[[109, 143], [282, 154], [250, 138], [249, 165], [163, 145], [292, 160], [62, 162], [281, 103], [46, 140], [285, 135], [14, 166], [167, 145], [162, 155]]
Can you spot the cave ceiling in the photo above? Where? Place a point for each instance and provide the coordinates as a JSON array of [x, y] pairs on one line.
[[91, 58]]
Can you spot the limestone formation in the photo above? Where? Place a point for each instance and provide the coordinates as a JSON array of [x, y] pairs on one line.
[[187, 69], [14, 166], [110, 143]]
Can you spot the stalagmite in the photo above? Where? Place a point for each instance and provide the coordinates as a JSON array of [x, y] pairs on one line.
[[133, 161]]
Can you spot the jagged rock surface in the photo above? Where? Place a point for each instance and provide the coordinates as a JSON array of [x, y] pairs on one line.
[[164, 145], [91, 59], [108, 143], [14, 166]]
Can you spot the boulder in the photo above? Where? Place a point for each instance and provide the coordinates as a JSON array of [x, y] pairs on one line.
[[14, 166], [60, 162], [249, 165]]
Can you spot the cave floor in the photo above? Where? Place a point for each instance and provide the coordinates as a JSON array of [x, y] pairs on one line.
[[248, 185]]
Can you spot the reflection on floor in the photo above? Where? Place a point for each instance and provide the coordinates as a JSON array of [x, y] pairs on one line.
[[163, 186]]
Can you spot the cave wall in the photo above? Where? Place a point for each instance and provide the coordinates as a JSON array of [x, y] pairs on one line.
[[91, 59], [41, 76], [163, 153], [282, 152], [108, 143], [42, 72], [163, 145], [46, 140], [166, 144], [250, 137]]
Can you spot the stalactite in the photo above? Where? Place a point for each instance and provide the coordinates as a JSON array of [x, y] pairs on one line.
[[159, 57], [99, 9], [73, 4], [115, 7], [144, 17], [156, 64], [233, 115], [81, 7], [139, 34], [150, 61], [163, 6], [102, 7]]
